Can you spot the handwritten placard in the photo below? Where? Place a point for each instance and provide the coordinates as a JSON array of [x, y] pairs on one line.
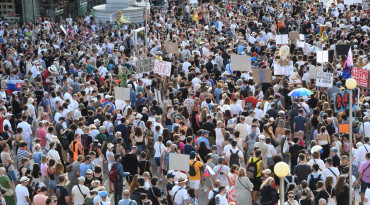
[[241, 63], [162, 67], [313, 71], [283, 70], [361, 76], [262, 76], [320, 20], [144, 65], [324, 79]]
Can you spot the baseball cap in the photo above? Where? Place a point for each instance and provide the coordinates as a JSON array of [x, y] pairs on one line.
[[192, 154], [205, 132], [103, 193], [262, 137], [267, 171], [214, 147], [81, 179], [24, 179]]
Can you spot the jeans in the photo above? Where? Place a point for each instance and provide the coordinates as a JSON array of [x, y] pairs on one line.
[[118, 189]]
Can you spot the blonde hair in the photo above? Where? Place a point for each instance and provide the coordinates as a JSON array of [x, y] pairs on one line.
[[268, 181], [242, 172], [44, 159]]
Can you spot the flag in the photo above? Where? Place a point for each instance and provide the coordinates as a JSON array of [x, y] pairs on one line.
[[208, 172], [347, 66], [13, 85], [321, 29]]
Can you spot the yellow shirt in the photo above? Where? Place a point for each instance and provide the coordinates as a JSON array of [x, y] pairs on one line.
[[197, 167], [259, 169]]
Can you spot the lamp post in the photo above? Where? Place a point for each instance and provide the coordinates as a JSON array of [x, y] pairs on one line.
[[281, 170], [350, 84]]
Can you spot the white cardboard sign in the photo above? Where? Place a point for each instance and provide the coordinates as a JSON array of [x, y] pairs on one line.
[[283, 70], [122, 93], [282, 39], [322, 56], [162, 67], [179, 162], [324, 79], [241, 63]]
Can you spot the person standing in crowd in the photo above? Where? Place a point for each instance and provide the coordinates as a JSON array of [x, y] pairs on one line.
[[22, 191], [79, 192]]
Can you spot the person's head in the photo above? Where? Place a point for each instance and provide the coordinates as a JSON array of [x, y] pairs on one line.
[[315, 167], [291, 195], [322, 201], [126, 194], [222, 190], [319, 184], [62, 179], [141, 181], [368, 156], [316, 155], [302, 157], [329, 162]]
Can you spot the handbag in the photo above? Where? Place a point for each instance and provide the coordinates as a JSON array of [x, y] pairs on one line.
[[331, 200]]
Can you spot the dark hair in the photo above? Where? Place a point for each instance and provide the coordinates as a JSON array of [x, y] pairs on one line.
[[141, 181], [154, 181]]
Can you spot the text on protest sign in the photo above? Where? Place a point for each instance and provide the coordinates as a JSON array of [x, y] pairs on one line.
[[283, 70], [144, 65], [162, 67], [361, 76], [324, 79]]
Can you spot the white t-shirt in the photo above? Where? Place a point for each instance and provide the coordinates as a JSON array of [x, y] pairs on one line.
[[181, 194], [223, 179], [236, 109], [21, 192], [242, 128], [78, 197], [48, 140], [53, 154], [270, 151], [326, 172], [320, 162], [221, 200], [158, 147]]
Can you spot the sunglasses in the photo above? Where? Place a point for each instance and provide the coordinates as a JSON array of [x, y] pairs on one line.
[[88, 174], [291, 197]]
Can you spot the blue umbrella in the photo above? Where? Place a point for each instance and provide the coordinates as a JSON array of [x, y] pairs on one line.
[[300, 92]]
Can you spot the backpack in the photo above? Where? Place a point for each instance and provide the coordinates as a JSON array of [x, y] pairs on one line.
[[313, 182], [64, 140], [289, 183], [252, 169], [166, 158], [113, 174], [234, 158], [213, 200], [251, 141], [192, 169]]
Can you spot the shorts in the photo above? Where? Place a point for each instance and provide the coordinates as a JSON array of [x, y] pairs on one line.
[[52, 184], [164, 172], [256, 183], [364, 186], [12, 176], [194, 184], [157, 161]]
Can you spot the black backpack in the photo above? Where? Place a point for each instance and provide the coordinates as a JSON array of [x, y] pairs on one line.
[[234, 158], [213, 200], [64, 140], [252, 169], [192, 169], [313, 182]]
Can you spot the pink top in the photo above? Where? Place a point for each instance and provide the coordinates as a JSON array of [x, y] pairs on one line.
[[44, 167], [365, 170], [41, 133]]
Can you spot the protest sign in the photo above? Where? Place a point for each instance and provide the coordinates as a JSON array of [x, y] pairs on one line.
[[301, 37], [179, 162], [262, 76], [331, 56], [162, 67], [144, 65], [283, 70], [282, 39], [324, 79], [294, 35], [361, 76], [158, 96], [341, 101], [344, 128], [322, 56], [193, 1], [313, 71], [342, 49], [172, 48], [122, 93], [241, 63], [64, 30], [300, 44], [320, 20]]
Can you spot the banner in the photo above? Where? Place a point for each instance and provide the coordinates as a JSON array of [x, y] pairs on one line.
[[282, 39], [13, 85], [121, 93], [324, 79], [361, 76], [241, 63], [341, 101], [283, 70], [162, 67], [144, 65]]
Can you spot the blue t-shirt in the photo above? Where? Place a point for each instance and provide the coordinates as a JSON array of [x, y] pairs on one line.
[[203, 139], [188, 149], [299, 123], [111, 108], [83, 168], [127, 202]]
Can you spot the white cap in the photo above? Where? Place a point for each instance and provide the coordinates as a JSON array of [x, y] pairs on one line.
[[262, 137]]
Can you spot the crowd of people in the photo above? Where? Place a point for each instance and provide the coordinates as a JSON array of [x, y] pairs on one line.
[[66, 138]]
